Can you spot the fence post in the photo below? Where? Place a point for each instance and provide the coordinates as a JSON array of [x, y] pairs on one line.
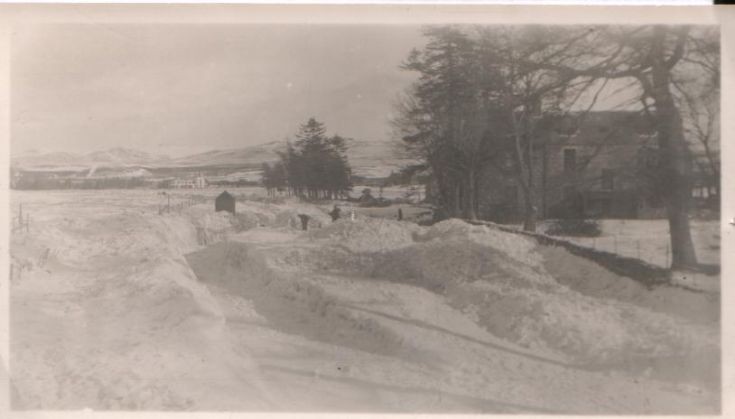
[[667, 254], [615, 238]]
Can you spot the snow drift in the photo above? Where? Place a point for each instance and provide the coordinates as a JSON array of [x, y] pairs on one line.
[[123, 309], [500, 280], [121, 289]]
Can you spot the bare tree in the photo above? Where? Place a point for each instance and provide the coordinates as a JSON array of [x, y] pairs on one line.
[[650, 55], [698, 98], [480, 95], [531, 63], [532, 72]]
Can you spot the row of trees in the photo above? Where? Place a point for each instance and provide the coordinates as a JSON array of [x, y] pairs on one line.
[[485, 93], [315, 166]]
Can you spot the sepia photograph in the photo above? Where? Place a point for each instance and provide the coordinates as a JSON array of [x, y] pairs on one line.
[[364, 217]]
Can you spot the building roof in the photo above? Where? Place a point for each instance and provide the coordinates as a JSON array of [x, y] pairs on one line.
[[593, 128], [224, 195]]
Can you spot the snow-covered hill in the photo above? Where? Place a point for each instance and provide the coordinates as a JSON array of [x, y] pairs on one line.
[[372, 159], [252, 156], [376, 159], [125, 156], [113, 157]]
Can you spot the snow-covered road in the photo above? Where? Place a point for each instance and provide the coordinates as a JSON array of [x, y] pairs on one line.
[[117, 307]]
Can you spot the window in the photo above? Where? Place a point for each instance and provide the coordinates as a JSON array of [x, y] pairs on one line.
[[648, 157], [570, 160], [608, 179]]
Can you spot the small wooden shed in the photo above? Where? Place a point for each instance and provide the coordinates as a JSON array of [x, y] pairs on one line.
[[225, 202]]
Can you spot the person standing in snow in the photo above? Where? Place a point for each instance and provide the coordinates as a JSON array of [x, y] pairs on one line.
[[304, 221], [335, 213]]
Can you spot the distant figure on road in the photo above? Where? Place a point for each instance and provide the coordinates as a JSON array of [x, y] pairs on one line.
[[352, 215], [400, 214], [335, 213], [304, 221]]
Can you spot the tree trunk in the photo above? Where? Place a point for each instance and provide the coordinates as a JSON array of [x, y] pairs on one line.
[[714, 168], [470, 196], [457, 204], [524, 175], [529, 213], [675, 160], [544, 182], [476, 196], [445, 194]]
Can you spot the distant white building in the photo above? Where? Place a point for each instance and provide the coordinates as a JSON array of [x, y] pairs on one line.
[[197, 182], [200, 182]]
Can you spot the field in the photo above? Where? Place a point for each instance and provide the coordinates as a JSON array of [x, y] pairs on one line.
[[119, 303]]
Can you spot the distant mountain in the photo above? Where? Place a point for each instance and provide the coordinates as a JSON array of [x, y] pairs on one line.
[[252, 156], [125, 157], [368, 158], [373, 159], [376, 159], [114, 158]]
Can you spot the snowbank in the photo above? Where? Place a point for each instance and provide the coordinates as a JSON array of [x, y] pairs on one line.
[[112, 316], [519, 248], [293, 301], [501, 280], [289, 217], [368, 234]]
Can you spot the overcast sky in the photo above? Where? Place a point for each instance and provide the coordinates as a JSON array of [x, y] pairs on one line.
[[178, 89]]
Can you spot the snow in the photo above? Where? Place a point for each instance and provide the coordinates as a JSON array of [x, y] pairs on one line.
[[115, 306], [368, 235], [649, 240], [249, 176], [371, 159], [412, 192], [113, 157]]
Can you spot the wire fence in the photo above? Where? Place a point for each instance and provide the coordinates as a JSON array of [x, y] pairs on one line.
[[22, 222], [21, 225], [655, 252], [176, 204]]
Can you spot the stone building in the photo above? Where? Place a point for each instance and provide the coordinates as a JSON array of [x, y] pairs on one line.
[[584, 166]]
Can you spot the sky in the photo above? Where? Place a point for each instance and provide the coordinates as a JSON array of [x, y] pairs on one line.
[[181, 89]]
